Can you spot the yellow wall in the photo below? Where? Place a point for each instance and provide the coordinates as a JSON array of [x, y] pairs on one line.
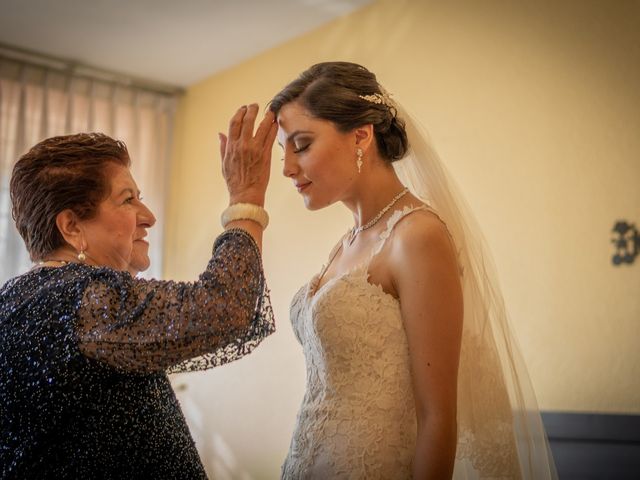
[[535, 110]]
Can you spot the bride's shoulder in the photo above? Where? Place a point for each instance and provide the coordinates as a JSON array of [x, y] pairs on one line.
[[421, 221], [420, 232]]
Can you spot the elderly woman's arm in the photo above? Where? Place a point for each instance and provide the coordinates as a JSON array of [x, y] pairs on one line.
[[141, 325]]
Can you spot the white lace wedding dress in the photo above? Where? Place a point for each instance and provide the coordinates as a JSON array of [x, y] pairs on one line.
[[357, 419]]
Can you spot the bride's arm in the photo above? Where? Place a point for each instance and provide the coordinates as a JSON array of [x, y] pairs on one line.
[[425, 275]]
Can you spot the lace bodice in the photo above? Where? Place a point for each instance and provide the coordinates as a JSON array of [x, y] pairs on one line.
[[357, 419]]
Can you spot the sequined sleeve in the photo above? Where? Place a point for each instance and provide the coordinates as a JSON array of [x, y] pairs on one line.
[[151, 325]]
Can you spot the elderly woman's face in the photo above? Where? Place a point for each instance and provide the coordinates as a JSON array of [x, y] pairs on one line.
[[115, 236]]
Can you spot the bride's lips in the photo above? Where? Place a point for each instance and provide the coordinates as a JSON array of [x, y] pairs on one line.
[[302, 186]]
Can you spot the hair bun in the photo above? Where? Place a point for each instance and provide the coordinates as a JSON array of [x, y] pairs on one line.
[[392, 139]]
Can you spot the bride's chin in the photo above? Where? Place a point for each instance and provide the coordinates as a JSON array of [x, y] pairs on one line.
[[312, 206]]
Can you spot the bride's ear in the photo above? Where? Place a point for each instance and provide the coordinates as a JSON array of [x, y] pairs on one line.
[[364, 136]]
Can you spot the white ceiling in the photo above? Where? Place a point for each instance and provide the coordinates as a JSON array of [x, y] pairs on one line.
[[169, 41]]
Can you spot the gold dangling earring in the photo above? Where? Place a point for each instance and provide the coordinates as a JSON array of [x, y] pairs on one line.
[[81, 255], [359, 160]]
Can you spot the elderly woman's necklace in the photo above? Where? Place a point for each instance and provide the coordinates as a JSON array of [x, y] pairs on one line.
[[355, 231], [51, 263]]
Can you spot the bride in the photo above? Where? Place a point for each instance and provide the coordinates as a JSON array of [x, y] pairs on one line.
[[411, 369]]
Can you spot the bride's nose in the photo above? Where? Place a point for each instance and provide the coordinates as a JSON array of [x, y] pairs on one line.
[[290, 165]]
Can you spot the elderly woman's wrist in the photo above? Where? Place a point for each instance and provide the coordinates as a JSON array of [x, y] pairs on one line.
[[247, 197]]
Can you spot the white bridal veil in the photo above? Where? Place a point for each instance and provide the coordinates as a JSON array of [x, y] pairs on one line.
[[500, 432]]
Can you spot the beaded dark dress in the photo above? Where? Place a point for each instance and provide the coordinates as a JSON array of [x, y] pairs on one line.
[[83, 356]]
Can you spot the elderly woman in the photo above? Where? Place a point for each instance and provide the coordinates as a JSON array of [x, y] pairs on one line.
[[84, 346]]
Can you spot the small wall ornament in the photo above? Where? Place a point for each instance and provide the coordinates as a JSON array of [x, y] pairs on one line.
[[626, 241]]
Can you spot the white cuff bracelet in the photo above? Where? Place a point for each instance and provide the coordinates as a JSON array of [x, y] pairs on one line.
[[245, 211]]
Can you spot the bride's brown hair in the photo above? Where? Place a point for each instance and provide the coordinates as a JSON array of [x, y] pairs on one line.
[[334, 91]]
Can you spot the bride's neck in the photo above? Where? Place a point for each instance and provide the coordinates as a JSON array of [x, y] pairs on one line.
[[373, 192]]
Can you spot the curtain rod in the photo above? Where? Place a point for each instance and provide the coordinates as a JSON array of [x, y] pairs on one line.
[[79, 69]]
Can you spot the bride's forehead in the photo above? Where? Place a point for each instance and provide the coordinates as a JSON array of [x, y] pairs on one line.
[[294, 120], [293, 113], [299, 118]]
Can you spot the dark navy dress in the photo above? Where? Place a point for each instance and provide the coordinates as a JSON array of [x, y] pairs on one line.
[[84, 353]]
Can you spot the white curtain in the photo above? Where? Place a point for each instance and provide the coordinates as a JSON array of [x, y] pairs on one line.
[[36, 103]]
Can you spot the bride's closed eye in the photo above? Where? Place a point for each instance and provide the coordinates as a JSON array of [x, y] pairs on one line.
[[302, 148]]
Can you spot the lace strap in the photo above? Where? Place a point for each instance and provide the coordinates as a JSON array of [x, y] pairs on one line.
[[396, 216]]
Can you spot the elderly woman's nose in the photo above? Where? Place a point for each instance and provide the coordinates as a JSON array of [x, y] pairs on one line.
[[146, 217]]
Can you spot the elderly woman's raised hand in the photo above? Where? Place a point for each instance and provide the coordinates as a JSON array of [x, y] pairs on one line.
[[246, 158]]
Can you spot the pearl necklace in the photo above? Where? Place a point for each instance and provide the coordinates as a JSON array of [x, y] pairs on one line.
[[355, 231], [46, 263]]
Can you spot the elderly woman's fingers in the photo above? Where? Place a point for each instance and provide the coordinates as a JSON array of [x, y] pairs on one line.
[[223, 144], [270, 138], [264, 129], [248, 121], [235, 124], [246, 158]]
